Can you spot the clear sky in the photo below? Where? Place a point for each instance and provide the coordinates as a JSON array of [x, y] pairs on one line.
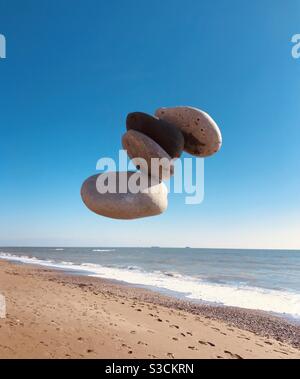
[[73, 71]]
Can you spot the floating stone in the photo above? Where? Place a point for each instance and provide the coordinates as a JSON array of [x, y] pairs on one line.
[[202, 137], [165, 134], [124, 195], [147, 155]]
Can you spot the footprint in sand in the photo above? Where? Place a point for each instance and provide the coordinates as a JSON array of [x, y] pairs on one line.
[[126, 346], [142, 343], [232, 355], [189, 333], [170, 355], [243, 338], [175, 339], [282, 352], [174, 326], [206, 343]]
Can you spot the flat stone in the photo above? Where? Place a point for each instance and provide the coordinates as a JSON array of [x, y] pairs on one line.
[[121, 202], [202, 136], [165, 134], [143, 151]]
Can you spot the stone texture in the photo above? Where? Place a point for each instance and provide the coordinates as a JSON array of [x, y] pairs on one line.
[[202, 137], [165, 134], [150, 201], [138, 145]]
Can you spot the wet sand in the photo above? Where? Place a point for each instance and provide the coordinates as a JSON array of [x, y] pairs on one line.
[[51, 314]]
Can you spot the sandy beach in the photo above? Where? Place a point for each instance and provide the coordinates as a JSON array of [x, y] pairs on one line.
[[51, 314]]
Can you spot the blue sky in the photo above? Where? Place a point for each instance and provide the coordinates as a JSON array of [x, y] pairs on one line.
[[75, 69]]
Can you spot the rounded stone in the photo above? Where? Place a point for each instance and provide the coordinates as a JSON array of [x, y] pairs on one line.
[[165, 134], [202, 136], [131, 196], [147, 155]]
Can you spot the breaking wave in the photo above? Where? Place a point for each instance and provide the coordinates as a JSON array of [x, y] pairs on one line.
[[284, 302]]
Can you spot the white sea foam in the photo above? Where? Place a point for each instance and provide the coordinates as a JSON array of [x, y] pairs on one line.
[[104, 250], [59, 249], [192, 288]]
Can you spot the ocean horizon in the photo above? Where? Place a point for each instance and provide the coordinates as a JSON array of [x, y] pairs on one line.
[[261, 279]]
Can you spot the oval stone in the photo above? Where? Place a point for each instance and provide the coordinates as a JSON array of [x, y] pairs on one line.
[[165, 134], [202, 136], [124, 195], [147, 155]]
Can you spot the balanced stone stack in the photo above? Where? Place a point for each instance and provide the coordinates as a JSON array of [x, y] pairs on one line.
[[163, 136]]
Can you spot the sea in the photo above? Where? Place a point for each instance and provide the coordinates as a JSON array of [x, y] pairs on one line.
[[267, 280]]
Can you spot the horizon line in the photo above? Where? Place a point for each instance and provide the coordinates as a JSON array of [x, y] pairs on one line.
[[149, 247]]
